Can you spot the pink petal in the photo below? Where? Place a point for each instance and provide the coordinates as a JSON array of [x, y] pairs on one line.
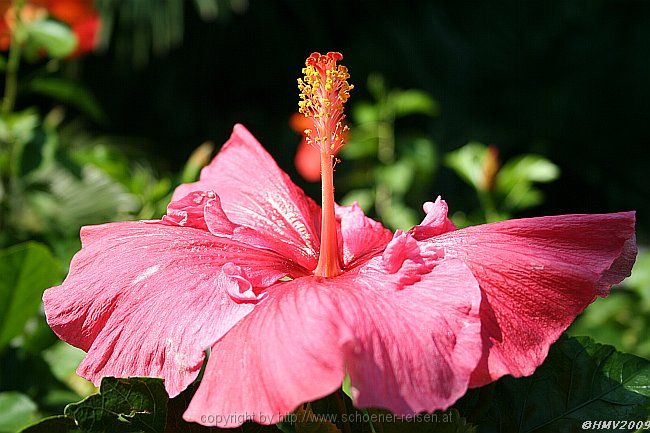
[[436, 221], [407, 348], [417, 347], [257, 194], [216, 220], [146, 299], [288, 352], [201, 210], [536, 276], [361, 237]]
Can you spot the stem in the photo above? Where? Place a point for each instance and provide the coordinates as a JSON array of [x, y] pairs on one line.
[[367, 414], [13, 64], [328, 260]]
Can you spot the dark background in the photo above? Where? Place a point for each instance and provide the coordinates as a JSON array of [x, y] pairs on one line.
[[568, 80]]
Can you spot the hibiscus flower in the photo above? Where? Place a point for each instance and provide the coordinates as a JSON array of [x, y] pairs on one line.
[[290, 298], [80, 15]]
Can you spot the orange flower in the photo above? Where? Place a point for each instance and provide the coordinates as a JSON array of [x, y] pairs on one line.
[[80, 15]]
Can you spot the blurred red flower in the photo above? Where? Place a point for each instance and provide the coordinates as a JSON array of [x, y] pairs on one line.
[[80, 15], [307, 158]]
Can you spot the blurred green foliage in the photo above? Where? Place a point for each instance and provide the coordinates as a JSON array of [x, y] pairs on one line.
[[502, 191], [383, 168]]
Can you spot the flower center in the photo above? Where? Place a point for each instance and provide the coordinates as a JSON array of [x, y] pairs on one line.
[[324, 91]]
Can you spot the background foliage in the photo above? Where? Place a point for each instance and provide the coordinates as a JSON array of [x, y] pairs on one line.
[[505, 108]]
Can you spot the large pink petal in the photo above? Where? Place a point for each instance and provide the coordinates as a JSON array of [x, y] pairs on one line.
[[407, 348], [257, 194], [536, 276], [145, 299]]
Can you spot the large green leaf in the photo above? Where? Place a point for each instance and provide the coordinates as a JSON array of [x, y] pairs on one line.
[[134, 405], [27, 270], [123, 405], [16, 410], [581, 380]]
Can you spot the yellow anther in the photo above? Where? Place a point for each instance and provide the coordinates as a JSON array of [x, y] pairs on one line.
[[324, 90]]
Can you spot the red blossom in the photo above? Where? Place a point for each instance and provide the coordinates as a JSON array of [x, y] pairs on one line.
[[80, 15]]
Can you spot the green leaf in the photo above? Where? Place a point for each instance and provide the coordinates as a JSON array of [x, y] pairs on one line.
[[27, 270], [63, 360], [57, 39], [123, 405], [580, 380], [423, 155], [365, 113], [19, 126], [363, 143], [522, 196], [53, 424], [16, 411], [69, 92], [398, 176], [365, 198], [406, 102], [346, 386], [467, 162], [515, 181], [526, 168]]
